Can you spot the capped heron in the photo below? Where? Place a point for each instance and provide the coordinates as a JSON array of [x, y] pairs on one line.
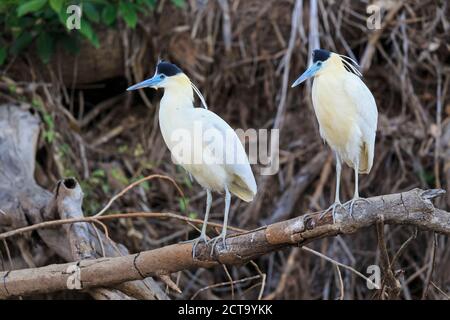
[[347, 114], [201, 142]]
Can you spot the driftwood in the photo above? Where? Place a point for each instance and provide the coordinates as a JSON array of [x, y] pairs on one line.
[[23, 202], [409, 208]]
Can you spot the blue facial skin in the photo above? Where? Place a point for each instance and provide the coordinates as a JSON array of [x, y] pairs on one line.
[[163, 69], [308, 73], [152, 82]]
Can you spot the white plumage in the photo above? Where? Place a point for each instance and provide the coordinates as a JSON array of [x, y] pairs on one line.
[[201, 142], [346, 111], [347, 116]]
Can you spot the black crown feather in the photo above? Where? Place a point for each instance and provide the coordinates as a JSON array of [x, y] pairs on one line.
[[320, 55], [167, 68]]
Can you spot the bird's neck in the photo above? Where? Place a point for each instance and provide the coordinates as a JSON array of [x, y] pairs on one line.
[[178, 94], [334, 67]]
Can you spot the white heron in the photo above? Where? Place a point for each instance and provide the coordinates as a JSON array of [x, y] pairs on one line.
[[201, 142], [347, 114]]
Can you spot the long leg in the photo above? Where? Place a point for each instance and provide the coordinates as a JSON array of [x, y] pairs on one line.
[[356, 193], [205, 223], [337, 201], [208, 208], [338, 178], [223, 234]]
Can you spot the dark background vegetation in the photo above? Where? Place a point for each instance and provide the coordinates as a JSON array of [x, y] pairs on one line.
[[239, 53]]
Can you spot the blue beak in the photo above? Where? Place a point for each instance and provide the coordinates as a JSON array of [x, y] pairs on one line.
[[152, 82], [308, 73]]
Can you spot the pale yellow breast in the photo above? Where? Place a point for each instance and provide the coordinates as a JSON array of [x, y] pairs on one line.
[[334, 110]]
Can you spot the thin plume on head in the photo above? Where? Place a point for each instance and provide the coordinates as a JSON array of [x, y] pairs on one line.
[[351, 65], [199, 94], [196, 90]]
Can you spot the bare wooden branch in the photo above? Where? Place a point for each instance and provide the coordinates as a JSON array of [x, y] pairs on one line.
[[408, 208]]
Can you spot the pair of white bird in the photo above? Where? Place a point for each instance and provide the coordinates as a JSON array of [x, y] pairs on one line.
[[344, 107]]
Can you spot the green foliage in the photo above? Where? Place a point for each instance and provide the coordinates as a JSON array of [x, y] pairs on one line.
[[56, 5], [87, 31], [49, 122], [119, 176], [30, 6], [45, 46], [193, 215], [178, 3], [127, 11], [145, 185], [3, 54], [109, 14], [43, 23], [183, 204]]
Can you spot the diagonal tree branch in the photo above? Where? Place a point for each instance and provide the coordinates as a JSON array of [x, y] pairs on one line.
[[408, 208]]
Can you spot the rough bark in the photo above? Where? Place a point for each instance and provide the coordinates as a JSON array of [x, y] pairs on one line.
[[408, 208]]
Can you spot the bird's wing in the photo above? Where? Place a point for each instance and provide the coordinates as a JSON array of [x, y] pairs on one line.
[[222, 137], [367, 112]]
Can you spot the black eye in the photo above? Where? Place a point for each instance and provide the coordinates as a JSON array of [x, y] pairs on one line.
[[319, 63], [162, 76]]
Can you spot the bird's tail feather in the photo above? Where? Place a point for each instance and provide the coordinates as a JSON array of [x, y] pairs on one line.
[[365, 158], [240, 189], [241, 193]]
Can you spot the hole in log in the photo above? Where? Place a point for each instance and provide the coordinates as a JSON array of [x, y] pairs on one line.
[[70, 183]]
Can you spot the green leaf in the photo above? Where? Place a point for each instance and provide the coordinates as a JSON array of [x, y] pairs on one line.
[[91, 12], [63, 16], [187, 181], [102, 1], [30, 6], [87, 31], [183, 203], [99, 173], [56, 5], [118, 175], [21, 43], [109, 14], [193, 215], [128, 13], [149, 3], [49, 136], [48, 119], [3, 54], [178, 3], [45, 45]]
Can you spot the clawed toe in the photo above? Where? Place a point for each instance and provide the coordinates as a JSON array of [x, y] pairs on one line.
[[333, 213], [214, 243], [196, 242], [352, 202]]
